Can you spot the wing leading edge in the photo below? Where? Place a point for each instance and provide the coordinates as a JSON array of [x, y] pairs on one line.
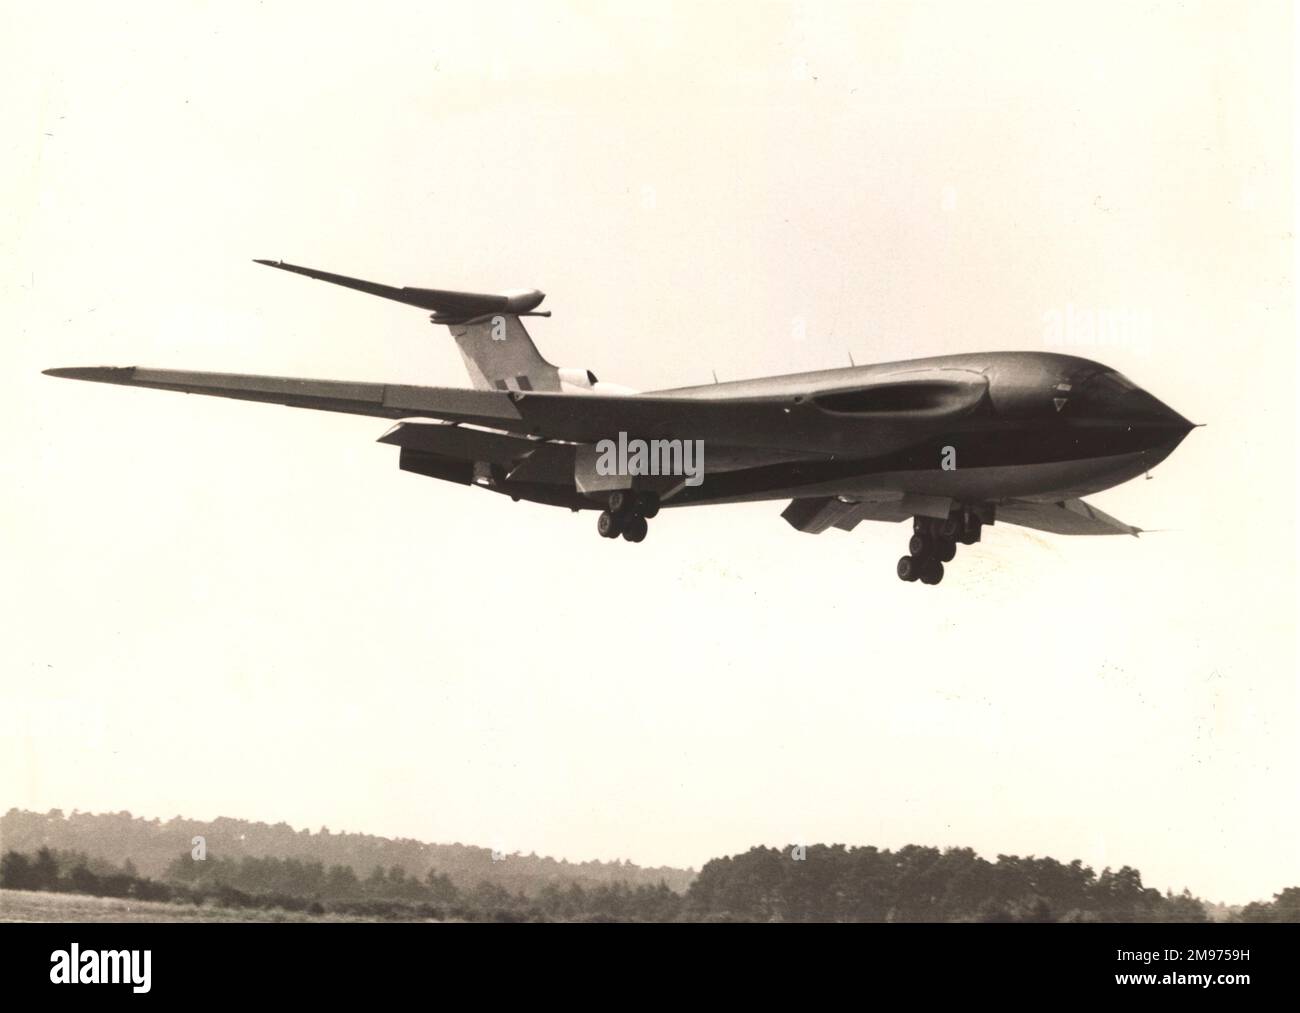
[[383, 400]]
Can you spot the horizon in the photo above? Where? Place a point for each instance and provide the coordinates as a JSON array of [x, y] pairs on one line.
[[694, 869]]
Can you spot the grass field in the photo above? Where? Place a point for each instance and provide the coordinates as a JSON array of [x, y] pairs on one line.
[[31, 906]]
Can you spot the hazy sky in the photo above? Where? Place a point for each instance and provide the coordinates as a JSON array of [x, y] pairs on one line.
[[220, 608]]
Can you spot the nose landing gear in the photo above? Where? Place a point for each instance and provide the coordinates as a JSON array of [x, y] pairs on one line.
[[934, 542], [627, 515]]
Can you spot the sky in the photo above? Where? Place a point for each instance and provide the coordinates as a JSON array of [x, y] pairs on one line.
[[222, 608]]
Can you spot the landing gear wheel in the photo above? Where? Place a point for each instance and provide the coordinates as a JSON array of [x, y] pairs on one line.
[[609, 525], [950, 528], [920, 545], [972, 533], [920, 525], [647, 504], [931, 571], [945, 549], [909, 568], [620, 501], [635, 528]]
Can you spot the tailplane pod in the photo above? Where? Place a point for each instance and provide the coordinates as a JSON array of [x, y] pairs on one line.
[[497, 349]]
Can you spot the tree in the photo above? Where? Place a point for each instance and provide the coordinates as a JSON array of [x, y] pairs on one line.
[[490, 898], [441, 889], [376, 882], [1181, 908], [15, 871], [45, 871], [1286, 905], [341, 882], [83, 880]]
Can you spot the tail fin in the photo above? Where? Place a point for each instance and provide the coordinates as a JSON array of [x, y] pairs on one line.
[[496, 347], [500, 355]]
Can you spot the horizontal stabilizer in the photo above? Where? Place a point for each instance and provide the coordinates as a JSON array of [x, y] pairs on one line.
[[448, 307]]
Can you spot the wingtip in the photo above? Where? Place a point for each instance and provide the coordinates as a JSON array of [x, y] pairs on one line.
[[89, 372]]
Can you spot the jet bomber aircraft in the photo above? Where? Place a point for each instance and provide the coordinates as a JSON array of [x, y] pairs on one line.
[[953, 443]]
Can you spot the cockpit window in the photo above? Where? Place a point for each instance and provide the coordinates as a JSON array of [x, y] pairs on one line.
[[1113, 381]]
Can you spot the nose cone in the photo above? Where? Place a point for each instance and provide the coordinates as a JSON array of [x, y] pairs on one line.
[[1111, 398], [1143, 409]]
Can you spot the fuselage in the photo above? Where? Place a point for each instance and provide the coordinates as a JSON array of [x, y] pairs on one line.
[[1046, 426]]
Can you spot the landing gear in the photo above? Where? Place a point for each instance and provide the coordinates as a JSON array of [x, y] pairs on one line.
[[609, 525], [926, 569], [934, 542], [627, 515], [620, 501]]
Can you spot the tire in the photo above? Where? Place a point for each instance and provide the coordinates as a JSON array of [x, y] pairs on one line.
[[608, 525], [950, 528], [619, 501], [635, 528], [931, 571], [647, 505], [920, 545], [945, 549], [972, 534], [908, 569]]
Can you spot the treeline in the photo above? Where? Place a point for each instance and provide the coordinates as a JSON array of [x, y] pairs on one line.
[[69, 872], [916, 884], [1284, 907], [153, 844], [820, 883], [817, 883], [292, 885]]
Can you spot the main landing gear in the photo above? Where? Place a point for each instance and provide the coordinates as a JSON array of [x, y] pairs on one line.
[[627, 515], [934, 542]]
